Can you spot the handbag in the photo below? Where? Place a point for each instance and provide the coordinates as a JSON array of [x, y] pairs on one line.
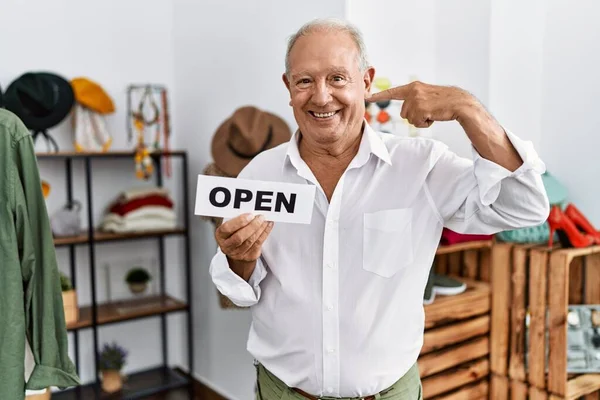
[[67, 220]]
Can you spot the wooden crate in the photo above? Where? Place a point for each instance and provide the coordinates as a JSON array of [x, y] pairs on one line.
[[542, 282], [504, 388], [454, 360], [470, 260]]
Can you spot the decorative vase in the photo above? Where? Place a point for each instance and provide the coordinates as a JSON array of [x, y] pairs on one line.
[[111, 380], [70, 306], [43, 396], [138, 288]]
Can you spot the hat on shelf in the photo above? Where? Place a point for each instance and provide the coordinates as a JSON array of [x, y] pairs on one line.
[[40, 99], [92, 103], [91, 95], [245, 134]]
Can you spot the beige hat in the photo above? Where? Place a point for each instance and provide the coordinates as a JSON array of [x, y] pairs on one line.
[[241, 137]]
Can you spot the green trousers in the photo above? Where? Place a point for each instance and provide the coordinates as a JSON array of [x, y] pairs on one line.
[[269, 387]]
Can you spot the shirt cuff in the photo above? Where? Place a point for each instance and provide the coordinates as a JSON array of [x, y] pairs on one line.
[[44, 376], [489, 175], [231, 285]]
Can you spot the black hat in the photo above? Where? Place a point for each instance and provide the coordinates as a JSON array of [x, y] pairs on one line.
[[40, 99]]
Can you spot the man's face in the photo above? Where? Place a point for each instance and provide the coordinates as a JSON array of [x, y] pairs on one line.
[[326, 86]]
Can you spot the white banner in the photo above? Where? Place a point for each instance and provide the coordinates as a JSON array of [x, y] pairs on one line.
[[229, 197]]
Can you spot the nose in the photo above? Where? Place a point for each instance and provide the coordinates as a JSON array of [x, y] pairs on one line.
[[321, 95]]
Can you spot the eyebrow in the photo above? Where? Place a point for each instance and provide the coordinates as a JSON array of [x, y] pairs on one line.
[[333, 70]]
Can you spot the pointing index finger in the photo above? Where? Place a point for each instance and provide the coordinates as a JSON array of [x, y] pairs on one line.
[[395, 93]]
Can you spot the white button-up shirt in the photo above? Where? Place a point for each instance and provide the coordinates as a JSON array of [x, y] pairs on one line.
[[337, 305]]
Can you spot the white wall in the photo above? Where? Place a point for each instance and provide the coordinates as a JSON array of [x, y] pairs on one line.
[[226, 57], [438, 42], [96, 39], [570, 93], [462, 58], [516, 66]]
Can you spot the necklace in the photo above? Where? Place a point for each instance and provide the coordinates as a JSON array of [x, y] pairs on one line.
[[143, 163]]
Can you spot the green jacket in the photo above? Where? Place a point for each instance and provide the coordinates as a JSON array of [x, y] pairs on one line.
[[30, 292]]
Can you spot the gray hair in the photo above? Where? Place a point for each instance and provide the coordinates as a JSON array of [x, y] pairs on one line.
[[330, 24]]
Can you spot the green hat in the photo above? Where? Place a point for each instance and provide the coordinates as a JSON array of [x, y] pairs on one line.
[[40, 99]]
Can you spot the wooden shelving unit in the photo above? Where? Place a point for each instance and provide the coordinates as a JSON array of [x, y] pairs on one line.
[[110, 154], [157, 380], [139, 385], [454, 361], [543, 282], [99, 236], [127, 310]]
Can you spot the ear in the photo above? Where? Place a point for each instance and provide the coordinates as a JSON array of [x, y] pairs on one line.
[[287, 85], [368, 79], [286, 81]]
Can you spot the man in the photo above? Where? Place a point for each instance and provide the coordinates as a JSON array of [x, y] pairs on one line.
[[337, 304]]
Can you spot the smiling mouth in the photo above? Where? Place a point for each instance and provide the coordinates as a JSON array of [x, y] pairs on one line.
[[323, 115]]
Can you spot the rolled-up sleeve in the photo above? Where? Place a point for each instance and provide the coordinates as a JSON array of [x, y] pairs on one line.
[[231, 285], [480, 196]]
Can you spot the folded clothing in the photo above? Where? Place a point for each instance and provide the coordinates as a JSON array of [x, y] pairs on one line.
[[135, 193], [123, 208], [140, 210], [138, 225]]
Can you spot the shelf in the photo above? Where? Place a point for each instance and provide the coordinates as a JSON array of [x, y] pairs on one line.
[[100, 236], [137, 386], [474, 245], [127, 310], [583, 385], [110, 154], [476, 300]]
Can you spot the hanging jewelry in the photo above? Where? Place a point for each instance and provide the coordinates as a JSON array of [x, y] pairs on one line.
[[143, 163]]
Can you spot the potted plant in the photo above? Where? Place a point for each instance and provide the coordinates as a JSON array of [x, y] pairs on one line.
[[111, 360], [137, 279], [69, 298], [47, 395]]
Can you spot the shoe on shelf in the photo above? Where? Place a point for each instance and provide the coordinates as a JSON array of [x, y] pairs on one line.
[[582, 222], [447, 286], [567, 232], [442, 285]]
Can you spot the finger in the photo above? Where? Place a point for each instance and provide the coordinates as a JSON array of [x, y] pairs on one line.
[[248, 243], [421, 123], [404, 109], [228, 228], [396, 93], [240, 236], [261, 239]]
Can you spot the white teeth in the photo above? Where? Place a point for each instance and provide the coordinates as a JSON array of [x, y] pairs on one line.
[[324, 115]]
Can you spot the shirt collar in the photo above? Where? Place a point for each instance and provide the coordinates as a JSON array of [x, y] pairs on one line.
[[371, 143]]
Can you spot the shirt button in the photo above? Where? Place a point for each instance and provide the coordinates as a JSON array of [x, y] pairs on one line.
[[331, 350], [330, 307], [330, 389]]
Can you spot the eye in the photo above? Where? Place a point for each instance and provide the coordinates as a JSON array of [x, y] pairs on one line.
[[303, 82], [338, 80]]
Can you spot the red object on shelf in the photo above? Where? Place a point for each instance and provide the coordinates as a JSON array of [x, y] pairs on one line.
[[450, 237], [581, 222], [569, 235]]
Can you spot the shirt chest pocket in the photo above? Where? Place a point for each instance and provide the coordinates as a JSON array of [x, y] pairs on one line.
[[387, 241]]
